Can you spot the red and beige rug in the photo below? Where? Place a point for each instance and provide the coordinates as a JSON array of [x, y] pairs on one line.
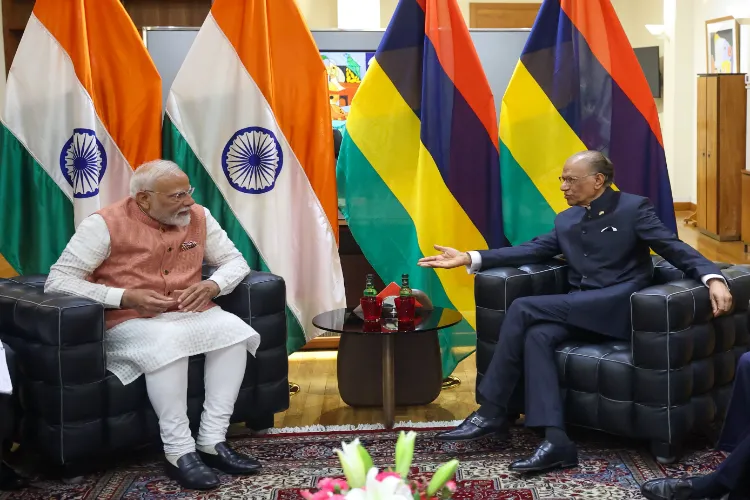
[[294, 460]]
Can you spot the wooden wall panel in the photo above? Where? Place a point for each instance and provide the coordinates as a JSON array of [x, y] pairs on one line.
[[16, 15], [502, 15], [167, 12]]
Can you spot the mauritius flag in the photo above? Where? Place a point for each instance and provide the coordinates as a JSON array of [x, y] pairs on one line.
[[419, 163], [577, 86]]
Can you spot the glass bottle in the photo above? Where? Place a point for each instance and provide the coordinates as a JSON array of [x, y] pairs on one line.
[[405, 302], [370, 302]]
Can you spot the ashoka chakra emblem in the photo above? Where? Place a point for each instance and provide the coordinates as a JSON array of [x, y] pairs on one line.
[[83, 162], [252, 160]]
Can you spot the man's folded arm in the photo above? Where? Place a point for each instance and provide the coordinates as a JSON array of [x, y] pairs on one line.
[[540, 249], [665, 243], [220, 251], [85, 252]]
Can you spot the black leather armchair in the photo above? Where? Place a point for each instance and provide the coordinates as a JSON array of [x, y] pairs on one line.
[[673, 377], [76, 412]]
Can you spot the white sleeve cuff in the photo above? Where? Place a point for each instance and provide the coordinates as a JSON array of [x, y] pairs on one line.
[[221, 282], [476, 262], [707, 277], [114, 297]]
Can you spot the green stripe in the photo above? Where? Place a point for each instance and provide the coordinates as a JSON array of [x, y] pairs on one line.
[[526, 214], [386, 234], [38, 218], [176, 148]]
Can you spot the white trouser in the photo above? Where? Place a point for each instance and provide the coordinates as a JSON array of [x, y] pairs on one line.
[[167, 390]]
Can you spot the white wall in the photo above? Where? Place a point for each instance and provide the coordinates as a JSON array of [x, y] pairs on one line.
[[319, 14]]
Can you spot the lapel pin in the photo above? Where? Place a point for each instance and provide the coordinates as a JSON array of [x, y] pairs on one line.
[[601, 213]]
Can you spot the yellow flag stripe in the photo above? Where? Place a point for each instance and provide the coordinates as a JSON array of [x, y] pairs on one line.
[[387, 132], [537, 136]]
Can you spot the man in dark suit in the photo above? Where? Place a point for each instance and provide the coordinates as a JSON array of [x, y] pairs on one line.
[[733, 475], [606, 238]]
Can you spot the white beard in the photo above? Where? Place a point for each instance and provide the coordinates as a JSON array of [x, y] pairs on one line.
[[179, 220]]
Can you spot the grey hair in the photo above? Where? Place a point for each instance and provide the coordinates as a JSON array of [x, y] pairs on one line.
[[147, 174], [599, 164]]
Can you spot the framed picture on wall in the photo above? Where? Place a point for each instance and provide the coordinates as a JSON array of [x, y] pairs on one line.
[[723, 45]]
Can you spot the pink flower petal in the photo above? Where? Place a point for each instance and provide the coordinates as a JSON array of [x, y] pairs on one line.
[[383, 475]]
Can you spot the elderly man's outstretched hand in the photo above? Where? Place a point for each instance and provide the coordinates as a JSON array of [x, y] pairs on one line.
[[448, 259]]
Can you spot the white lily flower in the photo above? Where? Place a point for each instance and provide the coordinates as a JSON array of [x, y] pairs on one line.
[[390, 488], [352, 463]]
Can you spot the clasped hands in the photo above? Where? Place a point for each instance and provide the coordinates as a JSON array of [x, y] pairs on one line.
[[191, 299], [449, 258]]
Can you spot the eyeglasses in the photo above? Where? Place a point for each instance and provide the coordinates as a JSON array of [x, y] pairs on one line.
[[178, 196], [572, 180]]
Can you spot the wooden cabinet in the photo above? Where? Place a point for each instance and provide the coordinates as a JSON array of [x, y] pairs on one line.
[[746, 208], [721, 154]]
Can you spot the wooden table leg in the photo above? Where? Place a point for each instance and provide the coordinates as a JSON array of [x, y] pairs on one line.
[[389, 386]]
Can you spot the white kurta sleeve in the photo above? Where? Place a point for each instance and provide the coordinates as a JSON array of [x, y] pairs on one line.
[[85, 251], [220, 251]]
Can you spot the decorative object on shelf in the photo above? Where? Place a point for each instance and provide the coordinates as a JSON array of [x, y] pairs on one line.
[[723, 45], [365, 482]]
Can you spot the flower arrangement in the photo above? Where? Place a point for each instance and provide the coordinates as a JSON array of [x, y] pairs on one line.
[[366, 482]]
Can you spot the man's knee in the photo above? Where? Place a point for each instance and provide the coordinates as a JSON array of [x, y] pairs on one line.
[[544, 335], [520, 305]]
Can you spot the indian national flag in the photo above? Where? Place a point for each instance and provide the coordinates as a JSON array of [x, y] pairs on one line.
[[248, 119], [82, 110]]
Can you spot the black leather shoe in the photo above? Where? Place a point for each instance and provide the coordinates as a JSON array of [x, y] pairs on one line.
[[193, 474], [667, 489], [476, 427], [548, 456], [229, 461]]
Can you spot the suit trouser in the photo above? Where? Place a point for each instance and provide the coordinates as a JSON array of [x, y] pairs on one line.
[[532, 329], [734, 472]]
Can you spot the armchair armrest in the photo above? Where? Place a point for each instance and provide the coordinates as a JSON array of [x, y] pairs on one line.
[[682, 350], [57, 337], [673, 322], [497, 288]]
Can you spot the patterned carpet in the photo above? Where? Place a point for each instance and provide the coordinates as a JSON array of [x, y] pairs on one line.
[[609, 469]]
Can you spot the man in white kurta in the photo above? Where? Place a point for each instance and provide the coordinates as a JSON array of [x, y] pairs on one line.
[[142, 259]]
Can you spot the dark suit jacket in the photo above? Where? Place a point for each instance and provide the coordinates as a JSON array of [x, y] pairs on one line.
[[606, 266]]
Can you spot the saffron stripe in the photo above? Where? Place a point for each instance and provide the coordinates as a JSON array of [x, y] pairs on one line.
[[463, 151], [597, 21], [382, 117]]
